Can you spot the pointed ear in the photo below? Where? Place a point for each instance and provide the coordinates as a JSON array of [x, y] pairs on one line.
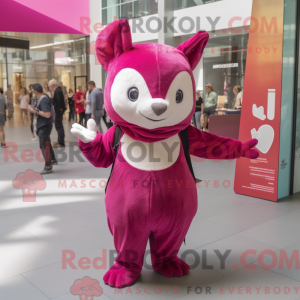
[[112, 41], [193, 48]]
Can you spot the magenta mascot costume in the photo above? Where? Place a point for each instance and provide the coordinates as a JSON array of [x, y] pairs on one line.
[[150, 95]]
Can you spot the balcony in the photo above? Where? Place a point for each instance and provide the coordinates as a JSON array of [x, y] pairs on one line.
[[180, 4]]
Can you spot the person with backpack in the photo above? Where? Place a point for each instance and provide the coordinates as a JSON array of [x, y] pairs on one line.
[[44, 126], [60, 108]]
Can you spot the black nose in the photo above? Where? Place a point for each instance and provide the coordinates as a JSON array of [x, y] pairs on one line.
[[159, 108]]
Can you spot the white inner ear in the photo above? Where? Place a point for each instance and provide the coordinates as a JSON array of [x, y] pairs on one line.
[[140, 112]]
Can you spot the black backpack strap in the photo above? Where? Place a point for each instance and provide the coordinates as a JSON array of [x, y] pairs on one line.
[[186, 147], [117, 138]]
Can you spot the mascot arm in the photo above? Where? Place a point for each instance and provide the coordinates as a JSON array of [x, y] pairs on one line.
[[210, 146], [100, 152]]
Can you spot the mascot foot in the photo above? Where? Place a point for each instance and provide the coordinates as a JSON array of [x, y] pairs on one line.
[[173, 268], [118, 276]]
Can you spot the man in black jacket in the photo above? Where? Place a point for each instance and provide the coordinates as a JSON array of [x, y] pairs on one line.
[[60, 108]]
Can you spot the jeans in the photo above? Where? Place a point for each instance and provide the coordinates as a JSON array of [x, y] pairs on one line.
[[60, 128], [81, 117], [72, 112], [87, 117], [45, 144], [197, 118], [31, 122], [98, 115]]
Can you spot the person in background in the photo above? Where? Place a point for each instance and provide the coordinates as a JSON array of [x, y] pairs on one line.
[[71, 105], [46, 91], [64, 89], [30, 92], [210, 104], [44, 126], [46, 84], [24, 101], [32, 100], [238, 99], [79, 104], [96, 101], [88, 108], [198, 110], [10, 102], [2, 118], [60, 108]]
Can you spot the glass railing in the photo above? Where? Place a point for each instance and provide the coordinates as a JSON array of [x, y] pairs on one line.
[[128, 9], [180, 4]]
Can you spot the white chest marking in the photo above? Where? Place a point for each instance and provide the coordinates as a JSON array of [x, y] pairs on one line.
[[150, 156]]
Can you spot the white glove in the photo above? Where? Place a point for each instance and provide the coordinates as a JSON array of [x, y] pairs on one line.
[[258, 112], [86, 135]]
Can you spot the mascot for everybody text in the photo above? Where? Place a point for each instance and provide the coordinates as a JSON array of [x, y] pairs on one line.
[[150, 96]]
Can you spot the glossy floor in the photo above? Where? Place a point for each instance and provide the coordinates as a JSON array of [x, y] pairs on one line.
[[69, 214]]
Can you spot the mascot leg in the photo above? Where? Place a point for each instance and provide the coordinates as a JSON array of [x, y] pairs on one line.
[[130, 243], [165, 245]]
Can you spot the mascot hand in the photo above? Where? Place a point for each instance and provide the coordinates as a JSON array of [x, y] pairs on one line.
[[86, 135], [247, 150]]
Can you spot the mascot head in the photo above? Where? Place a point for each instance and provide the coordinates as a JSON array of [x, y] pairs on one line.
[[150, 88]]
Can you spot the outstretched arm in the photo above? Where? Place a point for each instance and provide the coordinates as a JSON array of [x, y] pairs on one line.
[[210, 146], [96, 147]]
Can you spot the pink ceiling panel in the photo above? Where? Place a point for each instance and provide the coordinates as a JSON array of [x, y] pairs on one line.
[[55, 16]]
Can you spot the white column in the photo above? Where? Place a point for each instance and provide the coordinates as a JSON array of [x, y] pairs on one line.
[[96, 17], [198, 74]]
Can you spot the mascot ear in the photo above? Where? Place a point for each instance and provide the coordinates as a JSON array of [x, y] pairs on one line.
[[193, 48], [112, 41]]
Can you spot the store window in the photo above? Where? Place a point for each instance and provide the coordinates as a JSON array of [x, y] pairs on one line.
[[224, 62], [60, 60]]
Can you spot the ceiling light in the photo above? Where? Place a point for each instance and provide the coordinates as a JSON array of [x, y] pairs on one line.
[[42, 46]]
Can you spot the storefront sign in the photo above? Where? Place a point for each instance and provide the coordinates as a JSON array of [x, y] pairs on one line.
[[261, 110], [226, 66]]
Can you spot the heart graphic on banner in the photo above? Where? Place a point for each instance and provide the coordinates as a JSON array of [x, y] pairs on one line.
[[265, 136]]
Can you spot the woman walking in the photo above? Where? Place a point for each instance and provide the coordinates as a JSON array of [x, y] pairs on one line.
[[210, 104], [10, 102], [238, 99], [79, 104], [24, 101], [2, 118], [198, 110], [71, 105], [46, 91]]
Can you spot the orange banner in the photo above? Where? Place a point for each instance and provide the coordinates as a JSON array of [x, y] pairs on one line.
[[261, 107]]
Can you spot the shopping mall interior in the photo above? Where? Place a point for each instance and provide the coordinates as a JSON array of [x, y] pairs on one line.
[[243, 241]]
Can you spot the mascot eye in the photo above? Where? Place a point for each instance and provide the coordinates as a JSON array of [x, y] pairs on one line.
[[133, 94], [24, 181], [179, 96]]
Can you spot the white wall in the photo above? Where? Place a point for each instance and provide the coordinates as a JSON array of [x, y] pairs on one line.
[[226, 9], [138, 36]]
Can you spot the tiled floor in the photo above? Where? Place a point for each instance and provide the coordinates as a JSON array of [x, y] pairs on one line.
[[70, 218]]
